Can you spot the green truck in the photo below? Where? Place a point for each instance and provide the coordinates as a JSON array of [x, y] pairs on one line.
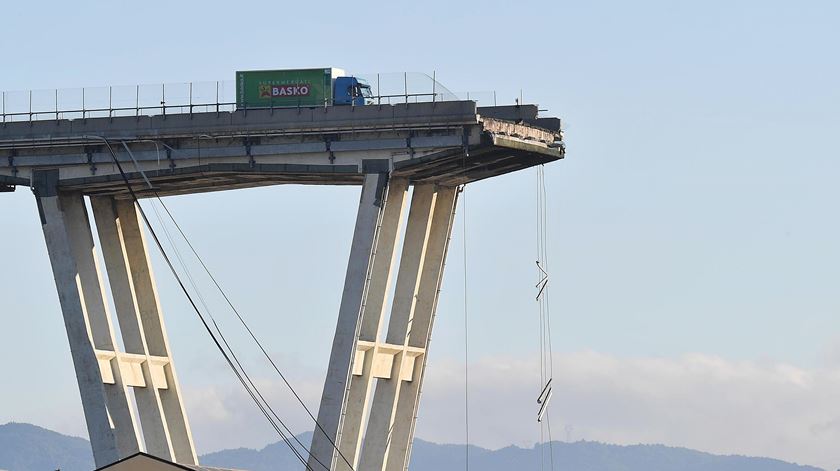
[[300, 88]]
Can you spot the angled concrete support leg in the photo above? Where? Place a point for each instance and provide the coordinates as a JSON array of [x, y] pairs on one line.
[[403, 354], [147, 360], [405, 293], [67, 233], [372, 313], [419, 335], [356, 282]]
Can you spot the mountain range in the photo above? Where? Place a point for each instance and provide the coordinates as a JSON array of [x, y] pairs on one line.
[[25, 447]]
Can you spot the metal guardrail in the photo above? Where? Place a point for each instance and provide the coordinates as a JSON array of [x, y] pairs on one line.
[[84, 103], [140, 110], [188, 98]]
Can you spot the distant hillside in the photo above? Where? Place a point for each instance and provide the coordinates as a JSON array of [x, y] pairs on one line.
[[25, 447], [578, 456], [589, 456]]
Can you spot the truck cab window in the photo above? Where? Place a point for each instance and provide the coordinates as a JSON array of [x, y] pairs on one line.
[[364, 88]]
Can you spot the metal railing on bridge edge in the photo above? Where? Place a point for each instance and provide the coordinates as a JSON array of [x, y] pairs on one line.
[[191, 97]]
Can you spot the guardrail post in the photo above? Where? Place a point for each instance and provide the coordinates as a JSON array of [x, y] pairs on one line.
[[434, 86]]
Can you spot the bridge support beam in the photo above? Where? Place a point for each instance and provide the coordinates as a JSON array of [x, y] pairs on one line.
[[372, 313], [418, 332], [394, 366], [104, 373], [107, 406], [166, 431], [362, 251], [393, 408]]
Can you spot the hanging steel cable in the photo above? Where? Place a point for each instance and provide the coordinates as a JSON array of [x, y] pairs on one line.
[[463, 196], [542, 298], [252, 335], [466, 340], [225, 296], [241, 375], [218, 330]]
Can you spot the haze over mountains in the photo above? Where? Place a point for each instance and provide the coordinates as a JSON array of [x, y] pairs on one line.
[[25, 447]]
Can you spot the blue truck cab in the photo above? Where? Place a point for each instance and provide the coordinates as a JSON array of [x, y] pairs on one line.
[[351, 91]]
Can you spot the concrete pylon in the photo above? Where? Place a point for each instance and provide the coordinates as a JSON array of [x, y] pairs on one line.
[[166, 431], [418, 332], [394, 365], [362, 380], [104, 374], [362, 253]]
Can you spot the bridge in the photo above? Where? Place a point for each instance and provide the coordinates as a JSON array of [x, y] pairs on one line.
[[372, 381]]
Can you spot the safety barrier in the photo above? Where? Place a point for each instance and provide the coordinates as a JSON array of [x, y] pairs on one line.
[[198, 97]]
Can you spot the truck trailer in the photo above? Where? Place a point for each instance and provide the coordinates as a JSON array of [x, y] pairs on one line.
[[300, 88]]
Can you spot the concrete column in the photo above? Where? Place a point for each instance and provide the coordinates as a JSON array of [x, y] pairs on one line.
[[101, 330], [165, 427], [405, 415], [386, 395], [70, 246], [343, 352], [372, 314]]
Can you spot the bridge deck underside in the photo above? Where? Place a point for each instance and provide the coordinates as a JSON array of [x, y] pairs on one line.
[[445, 143], [448, 169]]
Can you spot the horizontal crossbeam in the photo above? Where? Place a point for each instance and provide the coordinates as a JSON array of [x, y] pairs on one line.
[[131, 366], [384, 355]]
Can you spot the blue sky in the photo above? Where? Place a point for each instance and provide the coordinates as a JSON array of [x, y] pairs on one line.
[[694, 214]]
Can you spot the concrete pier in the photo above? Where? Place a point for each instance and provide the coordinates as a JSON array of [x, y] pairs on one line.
[[104, 373]]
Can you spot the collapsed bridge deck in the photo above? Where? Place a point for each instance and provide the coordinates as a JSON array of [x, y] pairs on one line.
[[448, 143]]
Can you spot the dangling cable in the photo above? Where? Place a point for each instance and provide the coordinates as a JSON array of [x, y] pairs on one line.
[[229, 302], [541, 285], [466, 340], [463, 195], [225, 355], [542, 298], [221, 334], [252, 335], [264, 407], [547, 309]]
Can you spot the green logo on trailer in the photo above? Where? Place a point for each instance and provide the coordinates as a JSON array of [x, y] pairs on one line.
[[283, 88]]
